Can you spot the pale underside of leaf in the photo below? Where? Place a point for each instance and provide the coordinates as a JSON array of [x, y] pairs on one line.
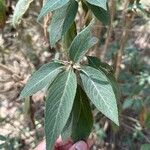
[[20, 10], [41, 78], [51, 5], [100, 92], [59, 105]]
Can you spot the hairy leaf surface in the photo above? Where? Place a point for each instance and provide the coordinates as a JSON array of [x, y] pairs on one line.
[[62, 20], [82, 43], [100, 92], [67, 130], [69, 36], [41, 78], [51, 5], [59, 105], [20, 10], [100, 13], [99, 3], [82, 117], [108, 70]]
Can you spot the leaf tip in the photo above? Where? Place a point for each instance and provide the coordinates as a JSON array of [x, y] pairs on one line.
[[22, 95], [117, 122]]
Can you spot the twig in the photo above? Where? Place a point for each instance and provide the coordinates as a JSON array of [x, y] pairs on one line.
[[128, 17], [106, 125], [110, 30], [45, 26], [6, 69], [130, 118], [127, 126], [86, 18], [133, 130], [98, 31]]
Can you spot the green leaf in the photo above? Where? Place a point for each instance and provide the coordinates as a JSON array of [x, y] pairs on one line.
[[99, 3], [41, 78], [62, 20], [20, 10], [67, 130], [70, 15], [145, 147], [108, 70], [128, 103], [100, 92], [2, 13], [3, 138], [59, 105], [100, 13], [51, 5], [82, 116], [82, 43], [96, 63], [2, 145], [69, 36]]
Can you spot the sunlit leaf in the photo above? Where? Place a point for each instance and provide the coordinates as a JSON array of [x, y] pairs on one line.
[[82, 43], [20, 10], [100, 92], [41, 78], [109, 72], [51, 5]]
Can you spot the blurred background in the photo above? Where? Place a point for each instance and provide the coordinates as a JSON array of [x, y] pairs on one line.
[[125, 45]]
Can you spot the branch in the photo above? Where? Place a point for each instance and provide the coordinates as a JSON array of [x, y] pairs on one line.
[[110, 30], [6, 69], [128, 17]]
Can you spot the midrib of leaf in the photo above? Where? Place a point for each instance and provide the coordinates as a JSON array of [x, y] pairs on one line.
[[18, 13], [44, 78], [102, 97], [60, 103], [61, 25], [76, 54], [60, 29], [98, 92], [67, 12]]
